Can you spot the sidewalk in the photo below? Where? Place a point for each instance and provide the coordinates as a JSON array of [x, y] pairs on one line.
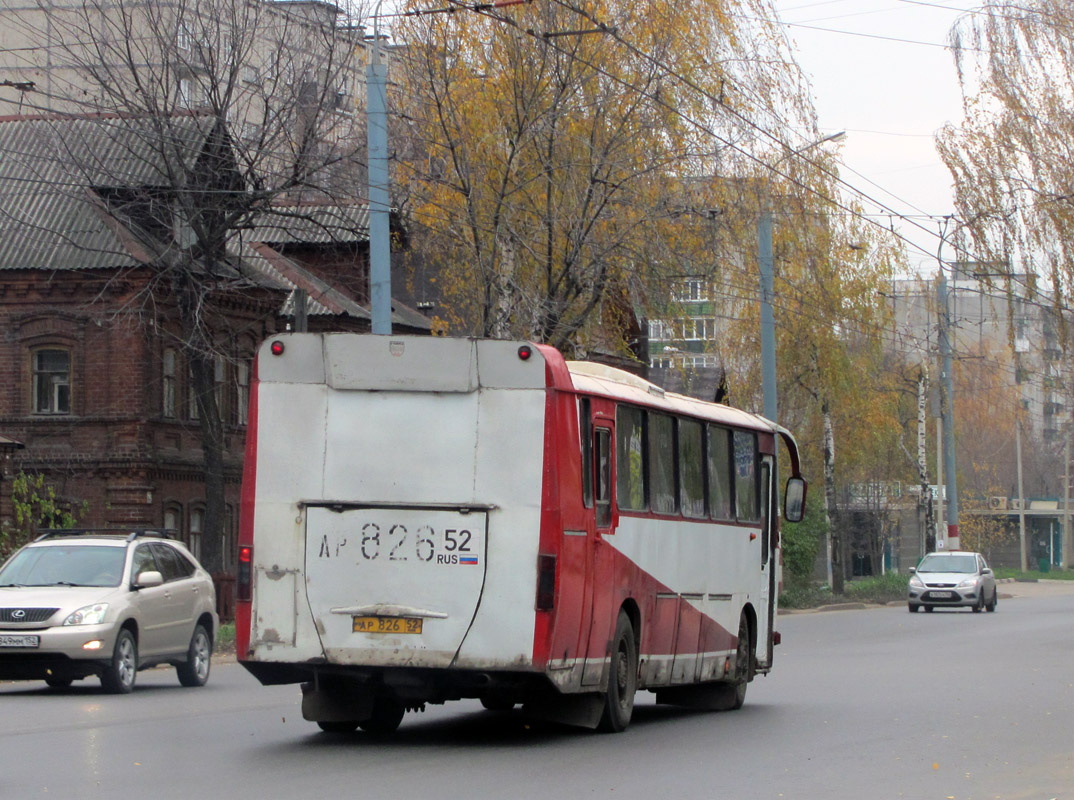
[[1012, 587]]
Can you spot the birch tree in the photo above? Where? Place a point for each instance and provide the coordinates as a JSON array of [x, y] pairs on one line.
[[579, 155], [1012, 157]]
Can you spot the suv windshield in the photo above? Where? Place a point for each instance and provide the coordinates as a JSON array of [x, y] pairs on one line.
[[76, 565], [967, 564]]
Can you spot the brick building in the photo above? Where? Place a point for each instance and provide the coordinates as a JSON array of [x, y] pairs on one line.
[[94, 378]]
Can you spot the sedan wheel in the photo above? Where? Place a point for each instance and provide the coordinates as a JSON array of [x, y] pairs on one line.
[[994, 601]]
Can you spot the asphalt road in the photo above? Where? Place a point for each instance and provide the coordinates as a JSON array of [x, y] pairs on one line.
[[873, 703]]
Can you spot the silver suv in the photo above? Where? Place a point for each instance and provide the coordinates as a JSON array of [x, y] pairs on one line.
[[105, 603]]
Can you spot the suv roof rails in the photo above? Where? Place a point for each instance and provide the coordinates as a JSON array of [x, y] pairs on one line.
[[130, 533]]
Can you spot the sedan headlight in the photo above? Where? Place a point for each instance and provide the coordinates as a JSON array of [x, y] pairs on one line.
[[916, 582], [88, 615], [969, 583]]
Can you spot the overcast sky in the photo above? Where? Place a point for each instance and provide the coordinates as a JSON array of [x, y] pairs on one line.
[[881, 71]]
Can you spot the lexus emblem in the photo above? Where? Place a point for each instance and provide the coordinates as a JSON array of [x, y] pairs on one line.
[[18, 613]]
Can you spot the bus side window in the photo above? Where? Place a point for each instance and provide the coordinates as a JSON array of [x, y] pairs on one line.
[[719, 462], [662, 493], [604, 478], [585, 431], [630, 458], [746, 476], [691, 469]]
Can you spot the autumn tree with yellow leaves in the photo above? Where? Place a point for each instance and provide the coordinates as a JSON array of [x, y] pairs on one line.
[[577, 158], [1011, 157]]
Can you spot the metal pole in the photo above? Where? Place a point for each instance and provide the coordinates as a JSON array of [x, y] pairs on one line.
[[947, 410], [380, 275], [768, 323]]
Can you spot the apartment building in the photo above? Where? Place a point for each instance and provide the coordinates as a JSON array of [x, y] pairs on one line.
[[1021, 324]]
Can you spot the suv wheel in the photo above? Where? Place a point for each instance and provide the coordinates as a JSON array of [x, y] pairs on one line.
[[195, 670], [118, 677]]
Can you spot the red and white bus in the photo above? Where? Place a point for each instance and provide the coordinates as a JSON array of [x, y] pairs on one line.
[[429, 519]]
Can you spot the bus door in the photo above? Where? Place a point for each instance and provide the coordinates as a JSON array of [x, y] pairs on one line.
[[600, 436], [766, 613]]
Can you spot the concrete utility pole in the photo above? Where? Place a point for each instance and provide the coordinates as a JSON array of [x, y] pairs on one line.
[[766, 263], [1021, 496], [1064, 542], [380, 270], [947, 402], [768, 321]]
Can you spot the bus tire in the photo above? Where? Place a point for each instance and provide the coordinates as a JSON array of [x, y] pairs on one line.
[[731, 696], [387, 714], [338, 726], [623, 679], [495, 702]]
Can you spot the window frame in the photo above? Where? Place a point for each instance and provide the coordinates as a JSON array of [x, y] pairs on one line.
[[169, 362], [624, 486], [54, 401]]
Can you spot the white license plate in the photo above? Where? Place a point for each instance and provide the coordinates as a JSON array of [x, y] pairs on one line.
[[943, 595], [19, 641]]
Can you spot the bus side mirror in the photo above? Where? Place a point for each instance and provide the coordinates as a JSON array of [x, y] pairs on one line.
[[794, 500]]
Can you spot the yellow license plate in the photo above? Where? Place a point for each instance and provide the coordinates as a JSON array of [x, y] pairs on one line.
[[386, 624]]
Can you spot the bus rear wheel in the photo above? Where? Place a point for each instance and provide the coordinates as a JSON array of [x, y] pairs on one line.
[[734, 693], [387, 714], [623, 680]]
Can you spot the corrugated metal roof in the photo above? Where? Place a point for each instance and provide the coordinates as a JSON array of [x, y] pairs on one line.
[[47, 166], [53, 219], [313, 223]]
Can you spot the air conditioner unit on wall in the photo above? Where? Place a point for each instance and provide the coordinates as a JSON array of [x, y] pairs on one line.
[[997, 503]]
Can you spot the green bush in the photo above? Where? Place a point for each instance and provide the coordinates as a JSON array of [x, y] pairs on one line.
[[225, 638], [1055, 574], [877, 589], [802, 541], [809, 594], [804, 594]]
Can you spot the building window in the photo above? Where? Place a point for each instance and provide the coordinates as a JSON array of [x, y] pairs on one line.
[[197, 525], [219, 373], [52, 382], [690, 290], [192, 399], [172, 515], [168, 383], [242, 392]]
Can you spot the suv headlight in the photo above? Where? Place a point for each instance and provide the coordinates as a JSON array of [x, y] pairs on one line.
[[88, 615]]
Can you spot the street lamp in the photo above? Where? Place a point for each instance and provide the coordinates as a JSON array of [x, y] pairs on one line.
[[767, 269]]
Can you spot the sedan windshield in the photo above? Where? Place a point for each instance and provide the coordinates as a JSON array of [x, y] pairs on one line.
[[966, 564], [82, 565]]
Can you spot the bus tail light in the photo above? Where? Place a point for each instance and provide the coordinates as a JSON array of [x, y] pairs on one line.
[[244, 584], [546, 582]]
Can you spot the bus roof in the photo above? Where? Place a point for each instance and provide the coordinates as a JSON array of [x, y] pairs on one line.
[[601, 379]]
